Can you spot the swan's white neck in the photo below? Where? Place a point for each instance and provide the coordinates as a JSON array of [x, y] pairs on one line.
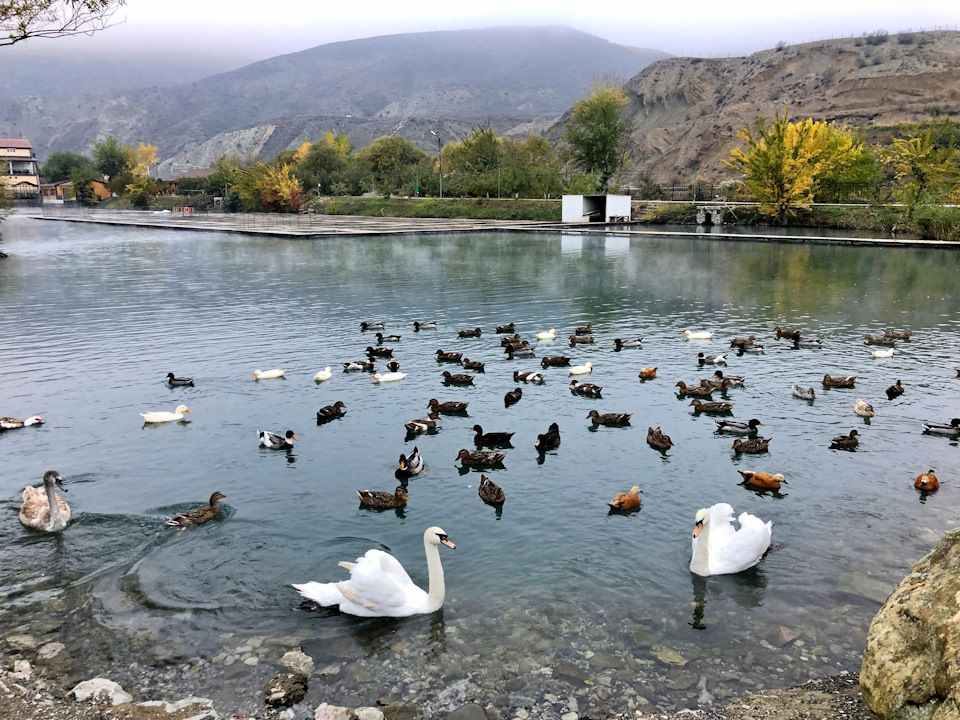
[[437, 589], [700, 562], [56, 519]]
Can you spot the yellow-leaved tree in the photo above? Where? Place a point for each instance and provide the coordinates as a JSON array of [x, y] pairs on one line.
[[925, 165], [339, 142]]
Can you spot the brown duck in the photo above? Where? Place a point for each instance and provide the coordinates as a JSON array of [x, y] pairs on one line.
[[329, 412], [200, 515], [469, 333], [490, 492], [762, 480], [627, 501], [711, 407], [927, 482], [695, 390], [658, 440], [898, 335], [480, 458], [757, 445], [491, 439], [581, 339], [448, 356], [791, 334], [472, 365], [380, 499], [647, 373], [584, 329], [448, 408], [895, 390], [846, 441], [508, 328], [512, 397], [556, 361], [458, 379], [509, 340], [609, 418], [839, 381], [887, 341]]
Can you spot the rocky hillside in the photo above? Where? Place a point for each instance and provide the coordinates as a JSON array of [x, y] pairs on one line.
[[687, 111]]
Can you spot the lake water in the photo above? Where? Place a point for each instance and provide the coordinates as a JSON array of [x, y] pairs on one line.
[[552, 603]]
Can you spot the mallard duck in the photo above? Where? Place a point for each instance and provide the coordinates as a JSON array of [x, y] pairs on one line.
[[469, 333], [695, 390], [807, 343], [377, 325], [510, 340], [895, 390], [756, 445], [492, 439], [711, 407], [886, 341], [388, 377], [522, 351], [581, 339], [883, 353], [790, 334], [726, 551], [409, 465], [754, 349], [555, 361], [512, 347], [490, 492], [898, 335], [358, 365], [647, 373], [12, 423], [529, 376], [846, 441], [473, 365], [799, 392], [393, 365], [711, 359], [268, 374], [383, 352], [839, 381], [448, 356], [588, 389], [508, 328], [479, 458], [864, 409], [739, 428], [627, 501], [200, 515], [696, 335], [658, 440], [512, 397], [762, 480], [743, 341], [272, 441], [380, 499], [458, 379], [381, 338], [734, 380], [429, 325], [548, 335], [550, 440], [952, 428], [420, 426], [609, 418], [584, 369], [44, 509], [160, 417], [448, 408], [619, 344], [330, 412], [926, 482], [323, 375], [175, 381], [722, 384], [583, 329]]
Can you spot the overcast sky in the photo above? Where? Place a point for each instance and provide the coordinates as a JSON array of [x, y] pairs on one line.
[[256, 30]]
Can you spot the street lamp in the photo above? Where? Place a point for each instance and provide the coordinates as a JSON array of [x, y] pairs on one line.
[[439, 159]]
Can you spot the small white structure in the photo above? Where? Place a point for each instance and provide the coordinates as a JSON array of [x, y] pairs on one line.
[[596, 208]]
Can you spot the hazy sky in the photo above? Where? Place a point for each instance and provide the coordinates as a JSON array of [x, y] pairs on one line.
[[255, 30]]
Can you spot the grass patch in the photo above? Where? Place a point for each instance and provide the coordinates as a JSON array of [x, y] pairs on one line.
[[464, 208]]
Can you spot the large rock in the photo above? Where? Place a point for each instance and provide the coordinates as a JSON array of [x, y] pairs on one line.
[[470, 711], [332, 712], [91, 688], [286, 689], [910, 666], [298, 662]]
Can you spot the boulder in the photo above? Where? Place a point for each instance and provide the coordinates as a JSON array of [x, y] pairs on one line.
[[53, 655], [286, 689], [89, 689], [470, 711], [332, 712], [368, 713], [297, 661], [909, 667]]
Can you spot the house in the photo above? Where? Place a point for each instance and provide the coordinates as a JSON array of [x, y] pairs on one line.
[[59, 192], [18, 168]]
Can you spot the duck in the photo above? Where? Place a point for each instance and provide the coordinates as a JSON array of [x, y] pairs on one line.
[[44, 509], [895, 390], [609, 418], [508, 328], [377, 325], [886, 341], [323, 375], [469, 333], [420, 426], [618, 344], [864, 409], [695, 390], [898, 335], [799, 392], [393, 365], [380, 499], [479, 458], [846, 441], [581, 339], [268, 375], [583, 329], [448, 408], [12, 423], [658, 440], [458, 379], [550, 334], [711, 407], [522, 351], [512, 397], [718, 549], [555, 361], [883, 353], [330, 412], [512, 347], [490, 492], [790, 334], [409, 465], [807, 343], [160, 417], [756, 445], [383, 352], [697, 334], [272, 441], [743, 341], [647, 373], [952, 428], [926, 482], [472, 365], [839, 381], [550, 440], [388, 377], [380, 587], [428, 325], [492, 439], [358, 365], [711, 359], [627, 501], [381, 338], [510, 340], [739, 428], [530, 376], [198, 516], [735, 380], [448, 356], [588, 389], [584, 369], [762, 480], [174, 381], [722, 384], [754, 349]]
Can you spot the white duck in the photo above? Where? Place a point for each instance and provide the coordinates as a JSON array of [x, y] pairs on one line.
[[864, 409], [718, 549], [581, 369], [883, 353], [380, 587], [550, 334], [697, 335], [388, 377], [268, 375], [324, 374], [44, 509], [159, 417]]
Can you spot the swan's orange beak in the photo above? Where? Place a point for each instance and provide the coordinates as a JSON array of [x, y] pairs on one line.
[[447, 542], [697, 528]]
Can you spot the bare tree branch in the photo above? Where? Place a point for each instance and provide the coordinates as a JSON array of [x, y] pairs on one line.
[[24, 19]]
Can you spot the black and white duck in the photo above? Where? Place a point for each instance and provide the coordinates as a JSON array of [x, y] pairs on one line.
[[428, 325], [550, 440], [376, 325], [587, 389], [420, 426], [381, 338], [951, 429], [619, 344], [704, 359], [530, 376], [272, 441], [358, 366], [409, 465], [738, 428], [383, 352]]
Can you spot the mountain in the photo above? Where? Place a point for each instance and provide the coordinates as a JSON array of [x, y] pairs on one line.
[[687, 111], [520, 72]]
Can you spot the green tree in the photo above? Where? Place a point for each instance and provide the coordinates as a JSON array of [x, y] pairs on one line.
[[393, 162], [925, 165], [597, 133], [321, 167], [82, 178], [61, 164], [112, 158], [24, 19]]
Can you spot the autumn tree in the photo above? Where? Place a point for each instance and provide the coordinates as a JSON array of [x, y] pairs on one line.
[[24, 19], [925, 165], [269, 187], [597, 132]]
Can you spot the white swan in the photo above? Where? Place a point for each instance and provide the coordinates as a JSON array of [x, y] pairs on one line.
[[582, 369], [389, 377], [883, 353], [324, 374], [550, 334], [697, 335], [159, 417], [718, 549], [380, 587], [44, 509], [268, 375]]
